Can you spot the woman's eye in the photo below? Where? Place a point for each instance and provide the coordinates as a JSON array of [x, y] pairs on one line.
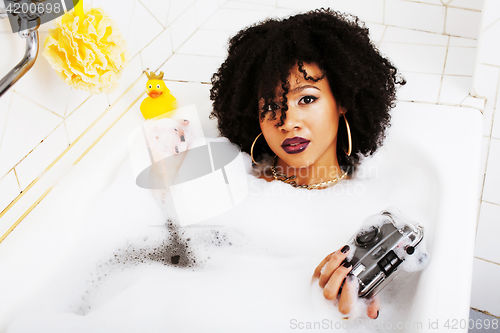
[[307, 99], [271, 107]]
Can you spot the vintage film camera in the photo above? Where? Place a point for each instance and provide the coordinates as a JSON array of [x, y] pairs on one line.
[[380, 249]]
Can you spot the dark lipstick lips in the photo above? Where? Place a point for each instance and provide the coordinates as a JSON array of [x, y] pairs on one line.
[[295, 145]]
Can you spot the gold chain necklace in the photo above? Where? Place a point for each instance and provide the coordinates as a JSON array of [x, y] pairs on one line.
[[291, 180]]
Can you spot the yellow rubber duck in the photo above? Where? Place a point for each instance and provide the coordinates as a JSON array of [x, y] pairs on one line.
[[160, 100]]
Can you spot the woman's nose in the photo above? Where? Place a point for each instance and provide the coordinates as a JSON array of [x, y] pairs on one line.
[[292, 121]]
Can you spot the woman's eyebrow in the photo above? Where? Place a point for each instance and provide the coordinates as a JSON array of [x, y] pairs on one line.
[[300, 88]]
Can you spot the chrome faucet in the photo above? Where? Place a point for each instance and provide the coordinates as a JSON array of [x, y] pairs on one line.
[[31, 36]]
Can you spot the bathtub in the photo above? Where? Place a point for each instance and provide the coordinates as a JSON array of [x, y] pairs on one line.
[[443, 142]]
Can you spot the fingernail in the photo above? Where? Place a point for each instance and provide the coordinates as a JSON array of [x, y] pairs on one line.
[[346, 264], [377, 314], [345, 249]]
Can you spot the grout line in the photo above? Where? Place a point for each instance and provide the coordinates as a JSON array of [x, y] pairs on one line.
[[79, 106], [177, 18], [168, 14], [383, 16], [37, 145], [107, 129], [6, 118], [491, 203], [485, 312], [443, 104], [147, 9], [130, 23], [36, 103], [444, 67], [491, 262], [445, 18], [67, 133], [67, 149], [490, 25], [25, 214], [17, 178]]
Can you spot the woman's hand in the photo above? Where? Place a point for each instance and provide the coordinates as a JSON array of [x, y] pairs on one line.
[[332, 272]]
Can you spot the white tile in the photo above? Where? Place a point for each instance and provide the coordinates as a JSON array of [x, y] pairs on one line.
[[204, 10], [231, 4], [121, 14], [157, 52], [207, 43], [416, 58], [420, 87], [486, 81], [463, 23], [488, 228], [454, 89], [261, 2], [433, 2], [42, 156], [9, 189], [488, 112], [301, 4], [460, 61], [159, 9], [77, 98], [191, 68], [496, 123], [376, 31], [485, 145], [491, 192], [12, 49], [459, 41], [414, 15], [42, 85], [183, 28], [5, 102], [491, 13], [143, 29], [485, 293], [221, 2], [129, 75], [477, 103], [282, 13], [408, 36], [366, 10], [469, 4], [489, 47], [176, 9], [85, 115], [233, 19], [27, 125]]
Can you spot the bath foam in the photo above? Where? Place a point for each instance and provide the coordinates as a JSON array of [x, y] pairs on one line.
[[248, 270]]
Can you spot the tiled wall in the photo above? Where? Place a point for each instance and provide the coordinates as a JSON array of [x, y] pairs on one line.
[[485, 291], [433, 42]]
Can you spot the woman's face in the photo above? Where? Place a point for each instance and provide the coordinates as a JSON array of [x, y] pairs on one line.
[[308, 135]]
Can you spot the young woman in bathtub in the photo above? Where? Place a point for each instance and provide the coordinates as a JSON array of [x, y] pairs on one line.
[[314, 92]]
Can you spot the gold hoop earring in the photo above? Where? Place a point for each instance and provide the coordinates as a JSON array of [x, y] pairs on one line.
[[251, 149], [348, 152]]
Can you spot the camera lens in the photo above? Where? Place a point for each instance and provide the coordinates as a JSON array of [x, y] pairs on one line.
[[367, 238]]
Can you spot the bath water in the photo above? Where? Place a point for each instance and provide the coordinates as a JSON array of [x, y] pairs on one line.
[[115, 261]]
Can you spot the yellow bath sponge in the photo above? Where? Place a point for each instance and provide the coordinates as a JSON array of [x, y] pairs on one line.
[[87, 53]]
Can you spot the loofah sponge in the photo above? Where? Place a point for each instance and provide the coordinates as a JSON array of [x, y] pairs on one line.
[[87, 54]]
